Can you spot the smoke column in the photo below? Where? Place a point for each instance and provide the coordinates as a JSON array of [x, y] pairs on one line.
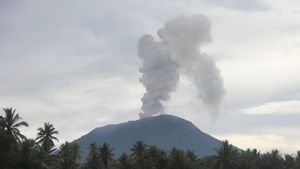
[[179, 51]]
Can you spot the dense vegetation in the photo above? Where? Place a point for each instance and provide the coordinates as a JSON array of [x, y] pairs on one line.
[[19, 152]]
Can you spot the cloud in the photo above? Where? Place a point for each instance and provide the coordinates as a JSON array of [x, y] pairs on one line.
[[74, 63], [274, 108], [264, 142], [250, 5], [78, 107]]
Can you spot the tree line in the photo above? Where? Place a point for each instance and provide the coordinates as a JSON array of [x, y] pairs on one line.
[[19, 152]]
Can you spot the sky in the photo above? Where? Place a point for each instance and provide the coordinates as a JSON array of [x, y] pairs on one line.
[[74, 64]]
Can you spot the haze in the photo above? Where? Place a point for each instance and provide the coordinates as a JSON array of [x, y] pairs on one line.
[[75, 64]]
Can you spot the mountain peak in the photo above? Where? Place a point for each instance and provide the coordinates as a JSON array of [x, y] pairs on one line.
[[165, 131]]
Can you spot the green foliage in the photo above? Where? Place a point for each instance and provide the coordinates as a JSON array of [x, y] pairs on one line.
[[18, 152], [271, 160], [8, 151], [249, 159], [226, 156], [11, 122], [155, 157], [105, 155], [138, 155], [69, 156], [92, 159], [31, 157], [193, 159], [178, 160], [297, 160], [10, 138], [124, 162], [289, 161], [46, 136]]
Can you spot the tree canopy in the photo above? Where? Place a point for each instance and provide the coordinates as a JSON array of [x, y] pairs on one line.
[[19, 152]]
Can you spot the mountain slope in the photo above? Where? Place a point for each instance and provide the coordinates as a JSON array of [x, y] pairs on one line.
[[165, 131]]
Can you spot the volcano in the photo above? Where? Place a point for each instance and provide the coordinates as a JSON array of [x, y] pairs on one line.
[[165, 131]]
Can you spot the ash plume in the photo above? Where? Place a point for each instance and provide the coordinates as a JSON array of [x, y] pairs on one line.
[[179, 52]]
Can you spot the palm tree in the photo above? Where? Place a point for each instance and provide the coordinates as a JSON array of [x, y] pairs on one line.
[[249, 159], [138, 154], [92, 159], [271, 160], [276, 159], [178, 160], [156, 158], [226, 156], [193, 158], [297, 160], [207, 162], [7, 150], [105, 155], [289, 161], [69, 156], [124, 162], [31, 156], [10, 124], [45, 136]]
